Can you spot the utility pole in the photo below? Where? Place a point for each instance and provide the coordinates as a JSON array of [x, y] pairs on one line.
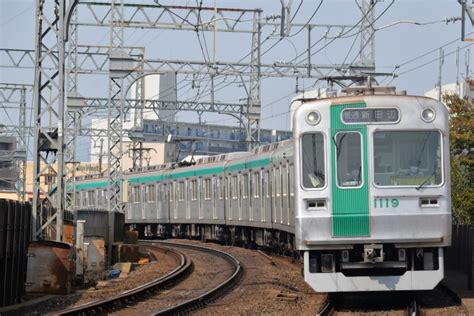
[[440, 73], [48, 154], [367, 35]]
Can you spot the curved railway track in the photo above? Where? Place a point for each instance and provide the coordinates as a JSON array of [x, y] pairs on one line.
[[131, 300], [211, 294], [124, 298]]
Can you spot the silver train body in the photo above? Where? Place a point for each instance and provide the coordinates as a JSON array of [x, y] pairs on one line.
[[362, 190]]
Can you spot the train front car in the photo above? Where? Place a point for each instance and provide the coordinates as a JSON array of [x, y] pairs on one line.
[[373, 209]]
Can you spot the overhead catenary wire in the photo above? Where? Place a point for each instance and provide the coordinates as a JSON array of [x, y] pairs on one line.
[[309, 20]]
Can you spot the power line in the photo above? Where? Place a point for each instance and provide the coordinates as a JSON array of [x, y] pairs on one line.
[[306, 24]]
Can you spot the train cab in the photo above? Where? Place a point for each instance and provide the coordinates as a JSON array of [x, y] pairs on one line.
[[372, 190]]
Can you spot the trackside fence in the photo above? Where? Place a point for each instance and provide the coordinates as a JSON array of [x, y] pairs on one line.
[[15, 233], [460, 256]]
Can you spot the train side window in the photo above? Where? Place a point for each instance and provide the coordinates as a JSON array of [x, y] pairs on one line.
[[267, 183], [349, 159], [245, 186], [136, 194], [276, 173], [193, 190], [207, 189], [150, 193], [235, 187], [221, 188], [104, 196], [312, 148], [77, 199], [182, 190], [256, 183], [165, 191], [284, 180], [291, 177], [91, 198], [84, 198], [172, 191], [99, 197]]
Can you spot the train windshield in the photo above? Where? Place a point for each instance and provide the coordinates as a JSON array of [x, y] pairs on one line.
[[407, 158], [348, 159], [313, 160]]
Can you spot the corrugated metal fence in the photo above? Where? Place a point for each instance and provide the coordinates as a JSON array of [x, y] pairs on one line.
[[460, 256], [15, 233]]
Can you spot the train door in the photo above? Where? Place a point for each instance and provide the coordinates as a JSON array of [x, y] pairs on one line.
[[350, 217]]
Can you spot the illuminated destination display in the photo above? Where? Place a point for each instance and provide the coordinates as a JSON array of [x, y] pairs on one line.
[[364, 115]]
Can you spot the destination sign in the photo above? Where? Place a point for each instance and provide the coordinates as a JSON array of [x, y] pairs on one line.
[[365, 115]]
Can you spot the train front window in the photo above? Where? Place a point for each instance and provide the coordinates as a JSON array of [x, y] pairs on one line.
[[313, 160], [348, 159], [407, 158]]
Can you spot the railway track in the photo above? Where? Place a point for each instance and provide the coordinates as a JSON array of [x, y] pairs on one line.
[[145, 290], [347, 304], [212, 293], [433, 302], [146, 298]]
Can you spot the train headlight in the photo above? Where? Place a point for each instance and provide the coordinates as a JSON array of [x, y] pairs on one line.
[[428, 115], [313, 118]]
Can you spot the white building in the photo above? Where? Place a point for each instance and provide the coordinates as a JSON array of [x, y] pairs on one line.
[[156, 87], [464, 89]]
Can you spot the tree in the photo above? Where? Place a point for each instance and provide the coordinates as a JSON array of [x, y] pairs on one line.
[[461, 133]]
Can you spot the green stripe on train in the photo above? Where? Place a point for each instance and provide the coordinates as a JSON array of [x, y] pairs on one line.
[[201, 172], [91, 185], [350, 205], [179, 175], [248, 164]]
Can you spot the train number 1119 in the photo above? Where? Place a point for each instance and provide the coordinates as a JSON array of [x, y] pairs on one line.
[[381, 203]]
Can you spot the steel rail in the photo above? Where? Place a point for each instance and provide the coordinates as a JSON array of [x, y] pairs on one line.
[[124, 298], [212, 294]]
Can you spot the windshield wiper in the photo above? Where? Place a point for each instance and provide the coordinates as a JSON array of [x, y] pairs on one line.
[[427, 179]]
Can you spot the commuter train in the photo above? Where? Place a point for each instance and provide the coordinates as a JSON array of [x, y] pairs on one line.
[[362, 191]]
